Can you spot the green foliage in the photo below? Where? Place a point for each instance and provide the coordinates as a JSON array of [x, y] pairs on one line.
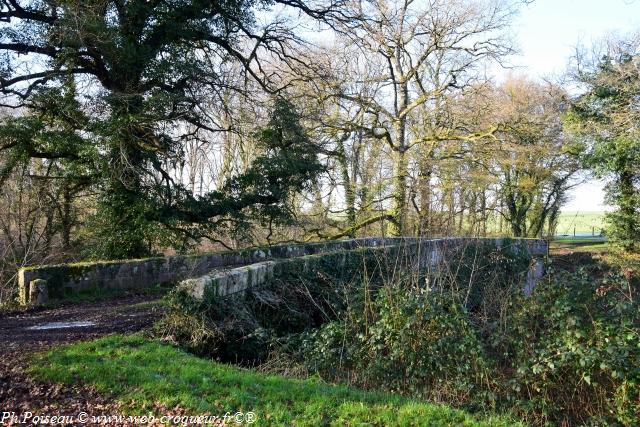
[[146, 83], [65, 161], [382, 332], [306, 293], [465, 335], [480, 274], [142, 374], [227, 331], [136, 217], [568, 354], [575, 349], [288, 163], [624, 222], [600, 117], [121, 227], [422, 336], [412, 342]]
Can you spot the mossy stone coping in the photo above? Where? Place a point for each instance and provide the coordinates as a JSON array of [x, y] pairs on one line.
[[64, 280]]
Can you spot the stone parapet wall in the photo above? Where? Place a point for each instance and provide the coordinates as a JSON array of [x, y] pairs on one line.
[[40, 284], [409, 253]]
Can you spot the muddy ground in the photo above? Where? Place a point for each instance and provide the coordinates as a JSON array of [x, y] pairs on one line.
[[21, 336]]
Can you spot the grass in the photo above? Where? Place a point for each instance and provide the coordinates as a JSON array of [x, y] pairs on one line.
[[581, 222], [580, 244], [142, 374], [598, 247], [580, 240]]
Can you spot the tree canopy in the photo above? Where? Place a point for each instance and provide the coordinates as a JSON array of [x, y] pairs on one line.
[[135, 127], [116, 86], [606, 117]]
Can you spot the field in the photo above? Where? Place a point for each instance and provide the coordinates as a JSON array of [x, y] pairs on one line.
[[579, 243], [582, 223]]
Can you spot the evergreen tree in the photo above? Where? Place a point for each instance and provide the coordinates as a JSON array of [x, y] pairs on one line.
[[144, 66], [606, 115]]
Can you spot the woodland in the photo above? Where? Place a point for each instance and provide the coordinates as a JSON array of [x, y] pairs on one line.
[[142, 128], [135, 128]]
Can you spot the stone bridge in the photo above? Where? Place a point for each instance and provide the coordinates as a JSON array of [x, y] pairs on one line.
[[226, 273]]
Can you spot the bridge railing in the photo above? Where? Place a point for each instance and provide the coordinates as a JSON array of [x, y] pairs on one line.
[[40, 284]]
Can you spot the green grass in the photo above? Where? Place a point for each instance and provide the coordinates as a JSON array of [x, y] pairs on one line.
[[583, 222], [581, 240], [599, 247], [142, 373], [580, 244], [577, 247]]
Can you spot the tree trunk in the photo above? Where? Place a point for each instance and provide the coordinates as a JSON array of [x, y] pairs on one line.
[[349, 194], [399, 195], [66, 219], [424, 190]]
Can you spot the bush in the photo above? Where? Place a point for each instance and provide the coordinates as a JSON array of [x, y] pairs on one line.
[[414, 342], [226, 332], [576, 348], [245, 328], [306, 293], [568, 354]]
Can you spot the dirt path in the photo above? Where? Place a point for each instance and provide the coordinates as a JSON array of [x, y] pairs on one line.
[[22, 333], [43, 327]]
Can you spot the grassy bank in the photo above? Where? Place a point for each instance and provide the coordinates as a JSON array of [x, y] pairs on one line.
[[145, 375]]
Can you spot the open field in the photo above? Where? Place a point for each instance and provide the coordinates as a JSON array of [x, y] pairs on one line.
[[583, 223], [595, 244]]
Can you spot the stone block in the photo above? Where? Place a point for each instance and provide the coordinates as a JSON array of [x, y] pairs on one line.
[[38, 292]]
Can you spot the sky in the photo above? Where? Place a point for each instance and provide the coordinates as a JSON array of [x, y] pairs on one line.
[[547, 32]]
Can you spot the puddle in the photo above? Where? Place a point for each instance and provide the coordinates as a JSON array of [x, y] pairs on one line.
[[60, 325]]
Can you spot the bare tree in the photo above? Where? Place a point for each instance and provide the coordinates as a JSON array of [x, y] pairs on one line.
[[536, 163], [401, 61]]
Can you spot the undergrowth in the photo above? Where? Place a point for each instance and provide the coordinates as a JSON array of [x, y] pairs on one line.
[[463, 334]]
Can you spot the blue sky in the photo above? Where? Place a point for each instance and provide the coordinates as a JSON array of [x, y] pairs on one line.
[[547, 32]]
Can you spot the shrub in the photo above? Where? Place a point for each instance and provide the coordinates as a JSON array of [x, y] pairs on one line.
[[479, 272], [576, 348], [245, 328], [306, 293], [569, 354], [413, 342], [466, 335], [226, 331]]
